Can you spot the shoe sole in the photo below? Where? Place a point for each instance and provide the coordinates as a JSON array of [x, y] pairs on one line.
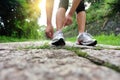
[[92, 44], [60, 42]]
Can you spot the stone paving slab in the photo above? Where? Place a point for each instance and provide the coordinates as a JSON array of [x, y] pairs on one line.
[[50, 64], [111, 56], [106, 53], [15, 45]]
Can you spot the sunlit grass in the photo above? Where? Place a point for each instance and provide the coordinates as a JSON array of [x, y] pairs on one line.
[[4, 39], [111, 39], [103, 39]]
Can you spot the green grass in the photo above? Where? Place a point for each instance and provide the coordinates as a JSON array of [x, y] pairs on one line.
[[4, 39], [110, 40], [103, 39]]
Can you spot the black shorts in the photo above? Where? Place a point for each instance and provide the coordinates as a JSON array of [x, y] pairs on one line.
[[65, 3]]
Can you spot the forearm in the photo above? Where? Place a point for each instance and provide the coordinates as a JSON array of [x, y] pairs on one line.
[[49, 10], [74, 6]]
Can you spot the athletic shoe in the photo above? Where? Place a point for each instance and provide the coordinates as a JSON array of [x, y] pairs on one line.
[[86, 39], [58, 39]]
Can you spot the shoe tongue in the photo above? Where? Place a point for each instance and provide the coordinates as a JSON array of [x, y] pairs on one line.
[[86, 36], [79, 35], [57, 32]]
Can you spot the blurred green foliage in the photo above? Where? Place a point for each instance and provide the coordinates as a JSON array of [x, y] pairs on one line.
[[18, 18], [97, 16]]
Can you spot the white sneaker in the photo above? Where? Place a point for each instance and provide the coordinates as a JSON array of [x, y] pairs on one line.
[[86, 39], [58, 39]]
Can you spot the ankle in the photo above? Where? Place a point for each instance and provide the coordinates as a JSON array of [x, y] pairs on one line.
[[80, 33], [59, 31]]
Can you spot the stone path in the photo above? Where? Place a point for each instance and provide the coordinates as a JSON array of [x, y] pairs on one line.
[[20, 63]]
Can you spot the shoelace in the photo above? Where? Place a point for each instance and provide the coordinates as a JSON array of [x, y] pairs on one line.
[[88, 36], [58, 33]]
